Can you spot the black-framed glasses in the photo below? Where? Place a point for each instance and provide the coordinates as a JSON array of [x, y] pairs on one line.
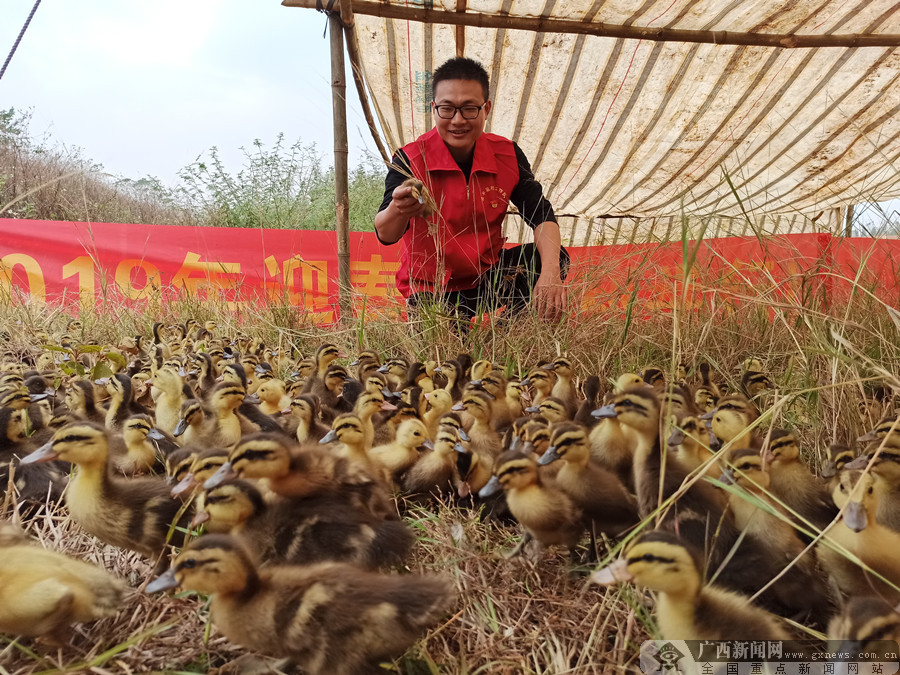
[[448, 112]]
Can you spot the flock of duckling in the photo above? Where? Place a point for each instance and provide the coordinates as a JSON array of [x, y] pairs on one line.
[[301, 484]]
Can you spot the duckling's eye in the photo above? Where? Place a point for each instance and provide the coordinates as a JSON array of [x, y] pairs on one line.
[[188, 564], [869, 491], [844, 489]]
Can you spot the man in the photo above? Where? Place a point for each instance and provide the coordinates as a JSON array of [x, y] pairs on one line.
[[455, 256]]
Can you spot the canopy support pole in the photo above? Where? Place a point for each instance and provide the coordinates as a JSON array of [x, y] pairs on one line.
[[341, 152]]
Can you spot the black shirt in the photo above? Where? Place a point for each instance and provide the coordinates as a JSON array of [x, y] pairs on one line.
[[527, 196]]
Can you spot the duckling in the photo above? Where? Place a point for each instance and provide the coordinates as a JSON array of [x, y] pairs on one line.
[[591, 391], [731, 419], [863, 624], [395, 370], [328, 619], [564, 388], [484, 440], [839, 455], [386, 432], [329, 390], [514, 391], [552, 409], [687, 609], [654, 377], [439, 404], [435, 473], [859, 532], [754, 382], [121, 402], [534, 436], [706, 394], [43, 592], [140, 453], [598, 492], [367, 362], [302, 531], [349, 430], [304, 472], [609, 447], [133, 513], [398, 457], [793, 484], [196, 424], [689, 444], [627, 381], [700, 510], [542, 382], [548, 514], [418, 376], [273, 397], [367, 405], [204, 463], [799, 590], [452, 370], [885, 470], [305, 414]]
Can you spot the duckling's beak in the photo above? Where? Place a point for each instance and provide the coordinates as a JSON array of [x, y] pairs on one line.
[[727, 477], [615, 573], [463, 436], [550, 456], [528, 447], [329, 437], [709, 415], [181, 427], [428, 444], [199, 518], [606, 412], [459, 406], [714, 443], [437, 369], [676, 438], [388, 406], [855, 516], [224, 473], [533, 409], [45, 453], [383, 369], [514, 443], [286, 411], [548, 366], [860, 462], [868, 438], [355, 363], [156, 435], [252, 398], [220, 378], [187, 483], [38, 397], [476, 383], [459, 448], [102, 381], [829, 470], [493, 486], [163, 582]]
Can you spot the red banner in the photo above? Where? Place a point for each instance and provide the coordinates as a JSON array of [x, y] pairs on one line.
[[103, 262]]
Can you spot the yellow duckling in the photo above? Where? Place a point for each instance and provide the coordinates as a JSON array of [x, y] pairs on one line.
[[552, 409], [564, 387], [132, 513], [687, 609], [273, 397], [328, 619], [140, 454], [514, 391], [367, 406], [549, 515], [171, 397], [400, 456], [453, 371], [203, 465], [43, 592], [859, 532], [689, 443], [395, 370], [609, 447], [439, 404], [542, 381], [731, 419], [483, 439]]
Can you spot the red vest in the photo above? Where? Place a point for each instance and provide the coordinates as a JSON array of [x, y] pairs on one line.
[[469, 220]]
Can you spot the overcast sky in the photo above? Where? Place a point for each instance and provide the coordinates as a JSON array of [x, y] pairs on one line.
[[145, 87]]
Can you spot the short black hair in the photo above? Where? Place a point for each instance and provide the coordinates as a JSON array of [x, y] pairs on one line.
[[461, 68]]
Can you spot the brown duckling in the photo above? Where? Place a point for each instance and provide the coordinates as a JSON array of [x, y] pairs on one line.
[[689, 443], [591, 391], [452, 370], [564, 387], [204, 463], [399, 457], [484, 439], [302, 531], [305, 415], [793, 484], [552, 409], [548, 514], [43, 592], [598, 492], [140, 456], [435, 474], [329, 619], [863, 623], [687, 609], [132, 513], [439, 404]]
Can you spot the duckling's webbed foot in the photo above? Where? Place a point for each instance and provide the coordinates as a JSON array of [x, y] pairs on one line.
[[251, 664], [520, 548]]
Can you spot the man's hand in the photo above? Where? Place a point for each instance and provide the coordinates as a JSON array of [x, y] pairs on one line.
[[406, 204], [550, 295]]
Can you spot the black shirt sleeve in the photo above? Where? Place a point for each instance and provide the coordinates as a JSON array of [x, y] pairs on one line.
[[528, 195], [392, 181]]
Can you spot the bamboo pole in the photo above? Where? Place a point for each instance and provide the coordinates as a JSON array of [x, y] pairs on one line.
[[341, 152], [547, 25]]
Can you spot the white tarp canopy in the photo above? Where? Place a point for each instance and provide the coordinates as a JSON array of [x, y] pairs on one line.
[[617, 126]]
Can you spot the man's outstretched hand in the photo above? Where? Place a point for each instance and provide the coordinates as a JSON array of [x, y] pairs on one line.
[[550, 295]]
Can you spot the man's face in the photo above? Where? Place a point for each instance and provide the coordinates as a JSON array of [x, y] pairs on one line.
[[458, 133]]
